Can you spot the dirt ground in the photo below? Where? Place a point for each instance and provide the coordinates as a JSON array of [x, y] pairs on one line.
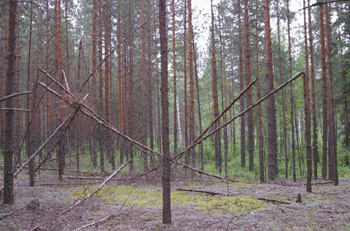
[[327, 208]]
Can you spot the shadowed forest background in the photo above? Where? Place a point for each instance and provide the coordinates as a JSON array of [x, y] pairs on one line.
[[265, 98]]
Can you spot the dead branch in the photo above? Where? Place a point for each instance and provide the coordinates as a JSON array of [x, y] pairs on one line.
[[223, 194], [180, 154], [14, 109], [96, 222], [78, 202], [90, 113], [61, 127], [226, 109], [274, 201], [320, 3], [14, 95], [202, 191], [65, 79]]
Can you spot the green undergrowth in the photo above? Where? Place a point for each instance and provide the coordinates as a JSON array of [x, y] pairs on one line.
[[148, 198]]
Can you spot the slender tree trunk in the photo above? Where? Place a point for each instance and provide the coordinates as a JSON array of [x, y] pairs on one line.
[[324, 94], [283, 96], [224, 93], [29, 115], [143, 84], [185, 84], [345, 96], [241, 84], [291, 92], [249, 93], [199, 107], [271, 108], [312, 72], [218, 157], [260, 114], [191, 76], [120, 78], [100, 50], [165, 112], [47, 62], [307, 110], [94, 84], [130, 95], [150, 83], [333, 174], [8, 193], [175, 76]]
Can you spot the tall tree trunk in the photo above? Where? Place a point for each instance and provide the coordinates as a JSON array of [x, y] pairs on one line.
[[150, 83], [143, 85], [47, 63], [100, 50], [199, 107], [129, 87], [345, 96], [333, 170], [94, 84], [291, 92], [185, 84], [175, 76], [120, 81], [271, 108], [218, 157], [312, 72], [29, 115], [324, 94], [165, 112], [224, 93], [260, 115], [9, 115], [241, 85], [59, 77], [191, 73], [249, 93], [283, 96], [307, 110]]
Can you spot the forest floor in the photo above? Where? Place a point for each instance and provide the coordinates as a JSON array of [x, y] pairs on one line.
[[136, 205]]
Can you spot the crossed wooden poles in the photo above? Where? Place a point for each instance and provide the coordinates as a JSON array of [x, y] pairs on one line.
[[78, 104]]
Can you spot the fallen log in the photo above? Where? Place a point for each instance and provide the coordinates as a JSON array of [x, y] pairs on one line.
[[229, 195]]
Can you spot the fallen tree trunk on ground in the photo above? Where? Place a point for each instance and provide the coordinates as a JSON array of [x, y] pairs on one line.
[[228, 195]]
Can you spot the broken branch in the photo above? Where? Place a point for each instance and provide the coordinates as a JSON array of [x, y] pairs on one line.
[[78, 202]]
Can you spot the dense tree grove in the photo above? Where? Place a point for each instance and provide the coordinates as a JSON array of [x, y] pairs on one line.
[[118, 80]]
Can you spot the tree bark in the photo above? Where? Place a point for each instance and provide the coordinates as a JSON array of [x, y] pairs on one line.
[[165, 112], [175, 76], [271, 108], [241, 84], [143, 84], [324, 95], [307, 111], [8, 193], [333, 170], [291, 92], [218, 157], [191, 76], [313, 94], [286, 160], [249, 93]]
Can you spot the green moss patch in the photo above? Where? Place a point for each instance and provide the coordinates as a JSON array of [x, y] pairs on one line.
[[152, 199]]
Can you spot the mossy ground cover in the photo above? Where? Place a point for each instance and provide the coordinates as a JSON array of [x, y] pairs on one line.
[[148, 198]]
